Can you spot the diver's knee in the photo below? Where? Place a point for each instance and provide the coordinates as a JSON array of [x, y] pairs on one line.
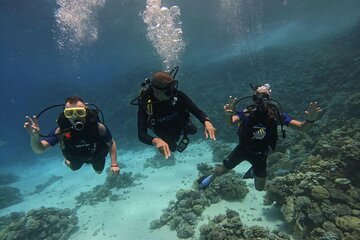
[[98, 172]]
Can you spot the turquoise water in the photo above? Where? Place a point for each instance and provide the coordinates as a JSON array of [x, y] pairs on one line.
[[103, 49]]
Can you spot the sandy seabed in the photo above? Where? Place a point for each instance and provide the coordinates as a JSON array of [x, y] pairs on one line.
[[130, 218]]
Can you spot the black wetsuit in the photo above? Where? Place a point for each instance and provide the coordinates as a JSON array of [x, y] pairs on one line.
[[170, 119], [85, 146], [257, 133]]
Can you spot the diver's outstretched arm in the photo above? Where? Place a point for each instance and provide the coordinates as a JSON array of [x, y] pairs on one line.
[[33, 129]]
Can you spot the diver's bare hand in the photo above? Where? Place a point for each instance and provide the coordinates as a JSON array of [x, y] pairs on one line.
[[162, 146], [229, 107], [209, 130], [314, 112], [115, 169], [32, 126]]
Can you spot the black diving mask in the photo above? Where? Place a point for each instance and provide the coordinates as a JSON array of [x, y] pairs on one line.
[[169, 90], [261, 98]]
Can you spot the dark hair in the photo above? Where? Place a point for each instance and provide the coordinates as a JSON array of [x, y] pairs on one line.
[[74, 99], [161, 79]]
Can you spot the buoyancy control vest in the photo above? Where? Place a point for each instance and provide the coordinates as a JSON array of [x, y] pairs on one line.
[[85, 143], [258, 130]]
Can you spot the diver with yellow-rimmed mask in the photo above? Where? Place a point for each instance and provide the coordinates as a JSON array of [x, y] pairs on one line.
[[83, 137]]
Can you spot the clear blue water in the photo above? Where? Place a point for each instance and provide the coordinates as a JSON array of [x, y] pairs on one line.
[[223, 41]]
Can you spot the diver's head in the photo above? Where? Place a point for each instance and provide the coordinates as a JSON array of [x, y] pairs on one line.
[[164, 86], [75, 111], [261, 96]]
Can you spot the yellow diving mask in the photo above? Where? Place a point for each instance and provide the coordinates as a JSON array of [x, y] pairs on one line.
[[78, 111]]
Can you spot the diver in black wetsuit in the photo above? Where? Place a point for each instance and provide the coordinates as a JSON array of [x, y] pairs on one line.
[[257, 130], [166, 111]]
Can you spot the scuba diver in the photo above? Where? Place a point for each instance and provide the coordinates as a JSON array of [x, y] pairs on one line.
[[166, 111], [257, 130], [83, 137]]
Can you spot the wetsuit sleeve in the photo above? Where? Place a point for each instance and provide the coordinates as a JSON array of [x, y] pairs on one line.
[[287, 119], [240, 114], [192, 108], [143, 127], [105, 135], [51, 138]]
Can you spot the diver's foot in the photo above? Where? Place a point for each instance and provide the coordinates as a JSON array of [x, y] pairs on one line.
[[204, 182], [249, 174]]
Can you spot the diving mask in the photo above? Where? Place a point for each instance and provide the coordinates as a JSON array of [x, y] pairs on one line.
[[261, 98], [77, 111], [168, 90]]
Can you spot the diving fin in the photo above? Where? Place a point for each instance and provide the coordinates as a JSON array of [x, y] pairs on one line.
[[249, 174], [200, 179], [204, 181]]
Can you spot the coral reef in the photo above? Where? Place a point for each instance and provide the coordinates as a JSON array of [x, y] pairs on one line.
[[205, 169], [229, 187], [158, 161], [9, 196], [289, 154], [39, 188], [320, 199], [43, 223], [100, 193], [182, 215], [229, 227], [8, 178]]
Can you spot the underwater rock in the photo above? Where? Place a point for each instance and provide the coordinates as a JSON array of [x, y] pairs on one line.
[[342, 209], [320, 193], [9, 196], [348, 223], [8, 178], [43, 223], [229, 227], [331, 228], [343, 183], [339, 196]]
